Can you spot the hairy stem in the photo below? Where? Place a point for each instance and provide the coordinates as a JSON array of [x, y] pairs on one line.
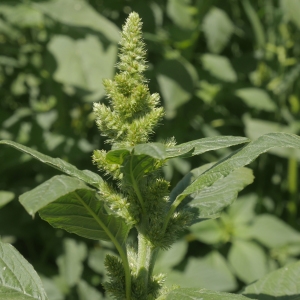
[[136, 189], [146, 259]]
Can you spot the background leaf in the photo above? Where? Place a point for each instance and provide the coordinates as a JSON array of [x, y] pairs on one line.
[[219, 67], [280, 284], [80, 13], [218, 29], [200, 294]]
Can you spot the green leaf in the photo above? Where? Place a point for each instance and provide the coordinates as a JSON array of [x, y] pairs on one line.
[[200, 294], [255, 128], [283, 284], [209, 232], [70, 263], [218, 29], [210, 201], [235, 161], [248, 260], [211, 272], [18, 279], [83, 63], [243, 210], [176, 80], [6, 197], [80, 14], [85, 291], [57, 163], [206, 144], [180, 12], [256, 98], [273, 232], [291, 8], [67, 203], [152, 150], [22, 15], [166, 259], [161, 152], [219, 67]]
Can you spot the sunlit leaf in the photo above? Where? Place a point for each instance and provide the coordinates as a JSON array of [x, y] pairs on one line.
[[67, 203], [207, 144], [248, 259], [283, 284], [256, 98], [291, 9], [255, 128], [176, 83], [18, 279], [6, 197], [80, 14], [219, 67], [209, 232], [200, 294], [218, 29], [235, 161], [83, 63], [57, 163], [211, 272], [273, 232], [210, 201], [70, 263], [180, 13], [86, 291]]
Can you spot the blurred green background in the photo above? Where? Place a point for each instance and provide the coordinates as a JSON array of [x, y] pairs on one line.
[[221, 68]]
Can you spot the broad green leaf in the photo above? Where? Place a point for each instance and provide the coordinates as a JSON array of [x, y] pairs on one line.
[[180, 13], [219, 67], [212, 199], [283, 284], [255, 128], [256, 98], [22, 15], [248, 260], [18, 279], [218, 29], [211, 272], [209, 232], [291, 8], [152, 150], [166, 259], [86, 291], [83, 63], [52, 289], [67, 203], [200, 294], [273, 232], [207, 144], [79, 14], [161, 152], [237, 160], [96, 259], [242, 211], [57, 163], [6, 197], [70, 263], [176, 82]]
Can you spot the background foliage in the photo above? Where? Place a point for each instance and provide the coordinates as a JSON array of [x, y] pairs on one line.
[[221, 68]]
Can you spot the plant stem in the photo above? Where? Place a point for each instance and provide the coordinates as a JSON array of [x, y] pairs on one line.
[[136, 188], [146, 259]]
